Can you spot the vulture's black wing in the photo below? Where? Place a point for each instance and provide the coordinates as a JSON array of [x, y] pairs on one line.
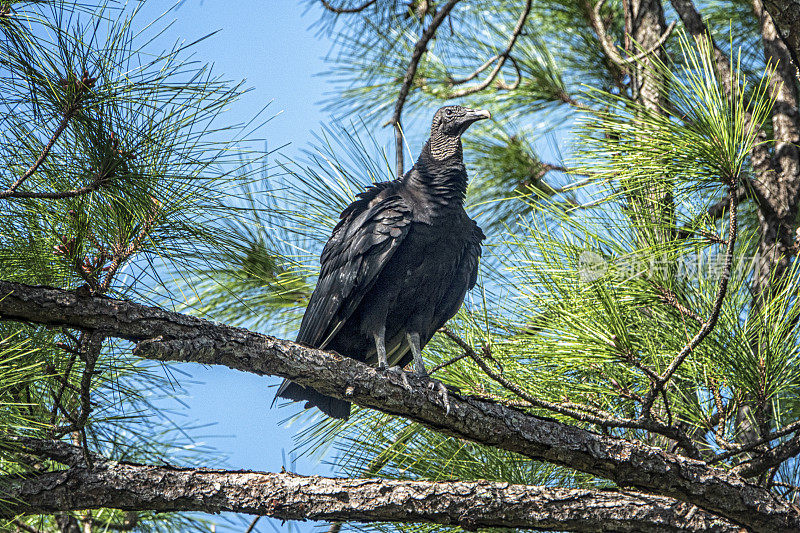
[[370, 231]]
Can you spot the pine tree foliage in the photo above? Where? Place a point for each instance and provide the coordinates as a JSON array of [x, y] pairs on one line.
[[117, 171], [638, 281]]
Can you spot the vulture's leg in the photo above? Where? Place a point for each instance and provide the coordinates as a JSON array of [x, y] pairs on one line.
[[419, 369], [416, 353], [380, 346], [383, 362]]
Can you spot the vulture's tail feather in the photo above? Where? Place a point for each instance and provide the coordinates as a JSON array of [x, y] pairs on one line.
[[332, 407]]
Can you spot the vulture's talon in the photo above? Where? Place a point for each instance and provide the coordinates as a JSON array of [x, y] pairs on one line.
[[399, 370], [441, 388]]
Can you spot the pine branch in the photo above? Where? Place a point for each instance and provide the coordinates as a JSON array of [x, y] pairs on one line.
[[499, 60], [607, 44], [288, 496], [759, 155], [770, 459], [11, 191], [708, 324], [716, 211], [339, 10], [671, 299], [408, 79], [168, 336], [790, 428], [579, 412], [96, 184]]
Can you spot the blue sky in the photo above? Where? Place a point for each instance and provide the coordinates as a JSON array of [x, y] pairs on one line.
[[270, 45]]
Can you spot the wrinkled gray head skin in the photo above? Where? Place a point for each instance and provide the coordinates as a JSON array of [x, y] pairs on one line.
[[446, 129], [454, 119], [448, 124]]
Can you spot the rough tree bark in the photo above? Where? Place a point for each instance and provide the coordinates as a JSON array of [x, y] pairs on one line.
[[786, 16], [287, 496], [169, 336]]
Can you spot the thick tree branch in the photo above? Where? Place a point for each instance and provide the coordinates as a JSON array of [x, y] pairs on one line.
[[289, 496], [786, 16], [169, 336]]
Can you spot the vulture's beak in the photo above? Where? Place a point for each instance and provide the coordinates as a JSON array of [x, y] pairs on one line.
[[474, 115]]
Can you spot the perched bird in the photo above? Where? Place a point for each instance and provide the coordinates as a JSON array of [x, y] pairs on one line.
[[398, 265]]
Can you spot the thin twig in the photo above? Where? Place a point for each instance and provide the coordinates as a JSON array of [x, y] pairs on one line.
[[45, 151], [598, 417], [122, 255], [56, 195], [64, 384], [450, 361], [503, 86], [671, 299], [708, 325], [338, 10], [567, 99], [90, 346], [256, 519], [755, 444], [411, 71], [771, 458], [607, 44], [714, 212], [719, 435], [789, 488], [499, 58]]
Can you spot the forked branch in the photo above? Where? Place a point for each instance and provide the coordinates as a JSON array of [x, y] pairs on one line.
[[167, 336], [499, 60], [607, 44]]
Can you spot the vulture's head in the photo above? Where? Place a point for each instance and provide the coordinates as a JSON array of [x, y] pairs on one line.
[[453, 120], [448, 125]]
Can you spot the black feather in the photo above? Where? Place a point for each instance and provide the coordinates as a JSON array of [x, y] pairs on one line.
[[402, 257]]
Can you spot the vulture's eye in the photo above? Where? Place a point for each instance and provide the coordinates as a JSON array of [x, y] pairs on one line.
[[448, 113]]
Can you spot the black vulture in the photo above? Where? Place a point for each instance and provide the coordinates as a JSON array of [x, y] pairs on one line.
[[398, 265]]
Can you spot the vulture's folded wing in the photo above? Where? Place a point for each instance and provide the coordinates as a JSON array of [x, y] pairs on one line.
[[370, 231]]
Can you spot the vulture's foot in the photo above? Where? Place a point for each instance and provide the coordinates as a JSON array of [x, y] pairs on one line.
[[437, 386], [399, 370]]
